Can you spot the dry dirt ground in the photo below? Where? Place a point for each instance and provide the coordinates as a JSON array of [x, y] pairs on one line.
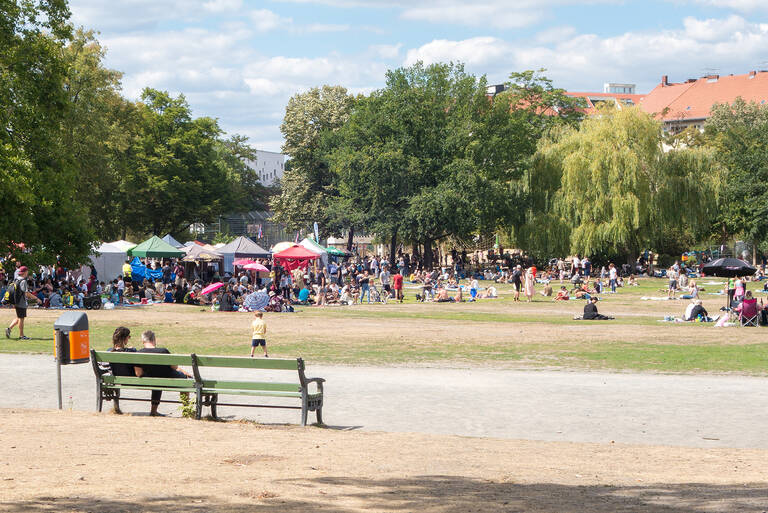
[[87, 462]]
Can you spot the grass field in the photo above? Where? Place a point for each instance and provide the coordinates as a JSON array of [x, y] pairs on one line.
[[494, 333]]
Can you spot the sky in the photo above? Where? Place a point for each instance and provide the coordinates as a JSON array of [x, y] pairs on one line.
[[240, 61]]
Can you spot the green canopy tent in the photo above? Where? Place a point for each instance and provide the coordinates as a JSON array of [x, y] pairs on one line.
[[155, 247], [335, 251]]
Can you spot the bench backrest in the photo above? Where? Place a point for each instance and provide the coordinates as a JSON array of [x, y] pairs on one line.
[[142, 358]]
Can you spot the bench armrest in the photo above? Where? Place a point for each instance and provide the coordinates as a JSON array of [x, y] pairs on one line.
[[318, 381]]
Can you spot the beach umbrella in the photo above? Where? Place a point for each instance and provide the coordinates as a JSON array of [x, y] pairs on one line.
[[243, 261], [260, 300], [255, 267], [728, 268], [212, 288], [281, 246]]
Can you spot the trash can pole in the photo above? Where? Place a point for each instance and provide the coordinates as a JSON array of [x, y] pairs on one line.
[[59, 348]]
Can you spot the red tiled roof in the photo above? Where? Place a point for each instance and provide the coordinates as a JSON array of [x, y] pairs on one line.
[[592, 109], [694, 99]]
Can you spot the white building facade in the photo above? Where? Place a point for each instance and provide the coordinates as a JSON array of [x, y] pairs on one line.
[[269, 166]]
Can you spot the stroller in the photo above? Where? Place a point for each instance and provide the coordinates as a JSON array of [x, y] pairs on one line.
[[376, 296]]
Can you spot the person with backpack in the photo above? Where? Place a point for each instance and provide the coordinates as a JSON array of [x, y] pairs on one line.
[[18, 292]]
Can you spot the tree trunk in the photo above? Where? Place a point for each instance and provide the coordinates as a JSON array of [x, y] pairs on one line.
[[349, 238], [754, 253], [392, 248], [428, 254]]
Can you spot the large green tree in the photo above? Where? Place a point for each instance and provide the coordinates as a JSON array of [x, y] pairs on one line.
[[37, 175], [308, 189], [612, 189], [738, 133]]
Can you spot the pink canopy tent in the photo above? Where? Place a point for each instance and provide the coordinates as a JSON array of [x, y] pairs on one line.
[[294, 257]]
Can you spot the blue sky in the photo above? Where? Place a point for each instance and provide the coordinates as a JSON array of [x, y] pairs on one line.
[[240, 61]]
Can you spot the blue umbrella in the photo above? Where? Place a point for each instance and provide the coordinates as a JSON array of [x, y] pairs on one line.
[[257, 301]]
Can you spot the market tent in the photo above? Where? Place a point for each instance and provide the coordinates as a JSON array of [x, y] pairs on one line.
[[155, 247], [170, 240], [202, 254], [316, 248], [335, 251], [108, 261], [282, 246], [294, 257], [123, 244], [241, 247]]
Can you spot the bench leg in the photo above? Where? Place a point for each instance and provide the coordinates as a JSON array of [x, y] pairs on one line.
[[99, 399], [214, 400], [319, 413], [304, 410], [198, 407]]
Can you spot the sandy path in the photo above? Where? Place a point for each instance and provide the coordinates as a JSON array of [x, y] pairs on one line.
[[693, 411], [82, 462]]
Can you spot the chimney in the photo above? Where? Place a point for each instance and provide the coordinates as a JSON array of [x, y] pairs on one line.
[[664, 80]]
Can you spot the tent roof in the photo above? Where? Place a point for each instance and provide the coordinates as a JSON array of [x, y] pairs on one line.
[[123, 244], [244, 247], [336, 251], [170, 240], [155, 247], [108, 248], [313, 246], [298, 253], [202, 253]]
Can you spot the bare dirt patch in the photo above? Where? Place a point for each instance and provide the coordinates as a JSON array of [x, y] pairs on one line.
[[80, 462]]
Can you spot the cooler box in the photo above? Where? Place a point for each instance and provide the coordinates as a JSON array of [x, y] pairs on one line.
[[71, 335]]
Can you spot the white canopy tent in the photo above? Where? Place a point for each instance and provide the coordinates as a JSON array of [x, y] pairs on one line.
[[123, 245], [108, 261], [317, 249]]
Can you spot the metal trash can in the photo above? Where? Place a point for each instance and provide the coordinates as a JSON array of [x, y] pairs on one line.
[[71, 338]]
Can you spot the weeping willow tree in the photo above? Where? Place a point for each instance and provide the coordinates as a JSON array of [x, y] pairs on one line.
[[608, 187]]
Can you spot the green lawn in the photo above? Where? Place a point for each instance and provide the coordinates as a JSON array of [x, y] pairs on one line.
[[496, 333]]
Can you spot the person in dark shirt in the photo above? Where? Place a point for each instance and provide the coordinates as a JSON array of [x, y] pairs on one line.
[[699, 310], [149, 341], [590, 311], [120, 339], [517, 279]]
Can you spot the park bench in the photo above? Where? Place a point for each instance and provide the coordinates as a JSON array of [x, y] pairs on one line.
[[108, 387], [208, 389]]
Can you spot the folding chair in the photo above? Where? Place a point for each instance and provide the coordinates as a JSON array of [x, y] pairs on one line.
[[748, 313]]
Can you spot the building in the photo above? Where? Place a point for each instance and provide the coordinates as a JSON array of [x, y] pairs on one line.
[[269, 166], [685, 104], [616, 95]]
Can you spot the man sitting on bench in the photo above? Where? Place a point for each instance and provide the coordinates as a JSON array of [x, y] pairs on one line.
[[156, 371]]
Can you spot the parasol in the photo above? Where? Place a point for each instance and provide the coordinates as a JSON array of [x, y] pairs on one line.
[[255, 267], [211, 288], [243, 261]]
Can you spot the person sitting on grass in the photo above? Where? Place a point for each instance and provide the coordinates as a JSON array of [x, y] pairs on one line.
[[562, 294], [590, 311], [459, 297], [547, 292], [149, 342]]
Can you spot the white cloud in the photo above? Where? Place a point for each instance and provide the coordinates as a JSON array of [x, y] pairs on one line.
[[386, 51], [499, 14], [477, 51], [739, 5], [584, 62], [218, 6], [265, 20]]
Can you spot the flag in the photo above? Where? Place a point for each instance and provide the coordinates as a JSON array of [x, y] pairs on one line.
[[297, 238], [317, 234], [258, 236]]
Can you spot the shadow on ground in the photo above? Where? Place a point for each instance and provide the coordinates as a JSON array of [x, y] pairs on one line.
[[444, 494]]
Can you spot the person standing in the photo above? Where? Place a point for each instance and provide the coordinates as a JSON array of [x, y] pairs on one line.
[[613, 277], [384, 277], [530, 284], [259, 333], [397, 284], [20, 294], [517, 280]]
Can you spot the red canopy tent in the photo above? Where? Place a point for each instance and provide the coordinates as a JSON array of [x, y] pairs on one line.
[[294, 257]]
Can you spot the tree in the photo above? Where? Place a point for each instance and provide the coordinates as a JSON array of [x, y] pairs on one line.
[[38, 178], [611, 184], [308, 189], [180, 172], [738, 134]]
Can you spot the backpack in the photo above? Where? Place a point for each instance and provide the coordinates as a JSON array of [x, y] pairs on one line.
[[12, 294]]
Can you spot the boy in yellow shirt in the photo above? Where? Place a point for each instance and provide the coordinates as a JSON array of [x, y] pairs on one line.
[[259, 329]]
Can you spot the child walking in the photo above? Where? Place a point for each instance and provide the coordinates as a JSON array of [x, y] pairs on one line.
[[259, 329]]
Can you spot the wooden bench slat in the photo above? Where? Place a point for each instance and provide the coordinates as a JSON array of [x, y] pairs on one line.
[[147, 387], [143, 358], [242, 362], [250, 385], [158, 382], [229, 391]]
